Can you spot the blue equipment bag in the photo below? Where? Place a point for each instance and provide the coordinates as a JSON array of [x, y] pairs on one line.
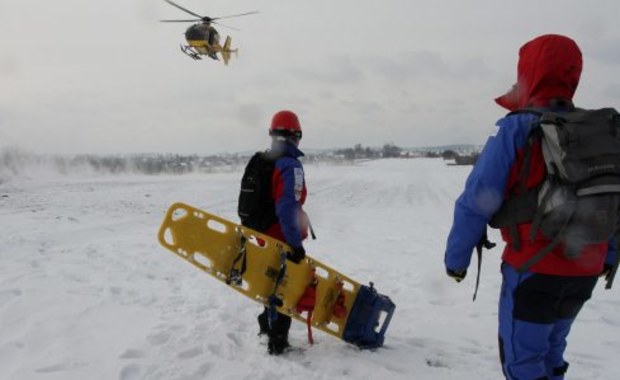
[[362, 328]]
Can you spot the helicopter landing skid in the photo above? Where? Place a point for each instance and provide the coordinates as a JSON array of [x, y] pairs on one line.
[[190, 52]]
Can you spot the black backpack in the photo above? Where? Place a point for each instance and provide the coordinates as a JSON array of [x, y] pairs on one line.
[[256, 207], [579, 201]]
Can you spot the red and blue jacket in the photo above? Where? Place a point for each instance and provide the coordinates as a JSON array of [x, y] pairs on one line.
[[289, 193], [494, 175], [549, 68]]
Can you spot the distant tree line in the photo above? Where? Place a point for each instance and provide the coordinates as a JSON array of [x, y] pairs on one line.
[[14, 161], [394, 151], [360, 152]]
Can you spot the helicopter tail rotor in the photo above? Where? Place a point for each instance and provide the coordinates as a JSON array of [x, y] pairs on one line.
[[226, 50], [227, 45]]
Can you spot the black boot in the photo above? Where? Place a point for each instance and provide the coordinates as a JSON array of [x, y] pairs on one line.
[[277, 344], [278, 334], [263, 323]]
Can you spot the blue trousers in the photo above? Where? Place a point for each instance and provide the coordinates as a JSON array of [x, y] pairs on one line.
[[536, 312]]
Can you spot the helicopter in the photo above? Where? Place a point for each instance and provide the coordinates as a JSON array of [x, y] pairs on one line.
[[203, 39]]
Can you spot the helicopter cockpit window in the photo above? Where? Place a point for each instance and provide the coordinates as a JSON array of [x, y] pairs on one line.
[[195, 34]]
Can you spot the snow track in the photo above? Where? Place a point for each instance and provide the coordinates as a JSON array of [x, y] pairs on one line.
[[86, 292]]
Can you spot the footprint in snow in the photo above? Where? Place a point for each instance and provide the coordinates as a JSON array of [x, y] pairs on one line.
[[215, 349], [191, 353], [116, 290], [132, 354], [200, 373], [130, 372], [65, 366], [235, 339], [52, 368], [610, 321], [437, 363], [158, 339], [10, 293]]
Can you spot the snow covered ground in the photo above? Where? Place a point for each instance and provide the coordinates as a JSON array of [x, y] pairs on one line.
[[86, 292]]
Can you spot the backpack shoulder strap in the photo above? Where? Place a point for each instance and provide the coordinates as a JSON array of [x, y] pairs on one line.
[[520, 204]]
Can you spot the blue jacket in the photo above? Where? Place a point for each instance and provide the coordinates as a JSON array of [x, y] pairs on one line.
[[289, 193], [484, 193]]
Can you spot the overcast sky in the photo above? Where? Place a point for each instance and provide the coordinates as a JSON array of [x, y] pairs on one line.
[[106, 77]]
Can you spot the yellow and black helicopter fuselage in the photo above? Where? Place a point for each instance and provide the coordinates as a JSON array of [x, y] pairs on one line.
[[204, 39]]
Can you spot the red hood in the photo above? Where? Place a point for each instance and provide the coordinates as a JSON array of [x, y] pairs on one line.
[[549, 67]]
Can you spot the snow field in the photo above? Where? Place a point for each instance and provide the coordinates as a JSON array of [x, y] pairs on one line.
[[86, 292]]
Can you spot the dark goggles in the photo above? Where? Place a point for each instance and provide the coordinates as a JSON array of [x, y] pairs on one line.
[[285, 133]]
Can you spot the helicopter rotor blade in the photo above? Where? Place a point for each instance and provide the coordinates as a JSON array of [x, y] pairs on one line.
[[226, 26], [183, 9], [198, 20], [237, 15]]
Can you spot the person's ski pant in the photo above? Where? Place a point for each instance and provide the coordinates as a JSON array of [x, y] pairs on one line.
[[278, 327], [536, 312]]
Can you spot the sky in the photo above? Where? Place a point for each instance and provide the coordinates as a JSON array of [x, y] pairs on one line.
[[106, 77]]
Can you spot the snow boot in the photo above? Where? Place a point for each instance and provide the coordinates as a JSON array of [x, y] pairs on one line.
[[277, 344], [263, 323]]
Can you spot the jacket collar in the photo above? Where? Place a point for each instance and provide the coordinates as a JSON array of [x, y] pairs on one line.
[[285, 148]]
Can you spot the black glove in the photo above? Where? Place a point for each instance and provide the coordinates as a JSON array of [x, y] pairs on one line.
[[297, 255], [484, 242], [607, 268], [457, 275]]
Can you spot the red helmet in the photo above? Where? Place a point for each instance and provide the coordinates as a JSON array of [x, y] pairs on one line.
[[285, 124]]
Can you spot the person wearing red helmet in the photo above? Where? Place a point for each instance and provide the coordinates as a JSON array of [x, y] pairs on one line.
[[280, 212], [538, 302], [289, 186]]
